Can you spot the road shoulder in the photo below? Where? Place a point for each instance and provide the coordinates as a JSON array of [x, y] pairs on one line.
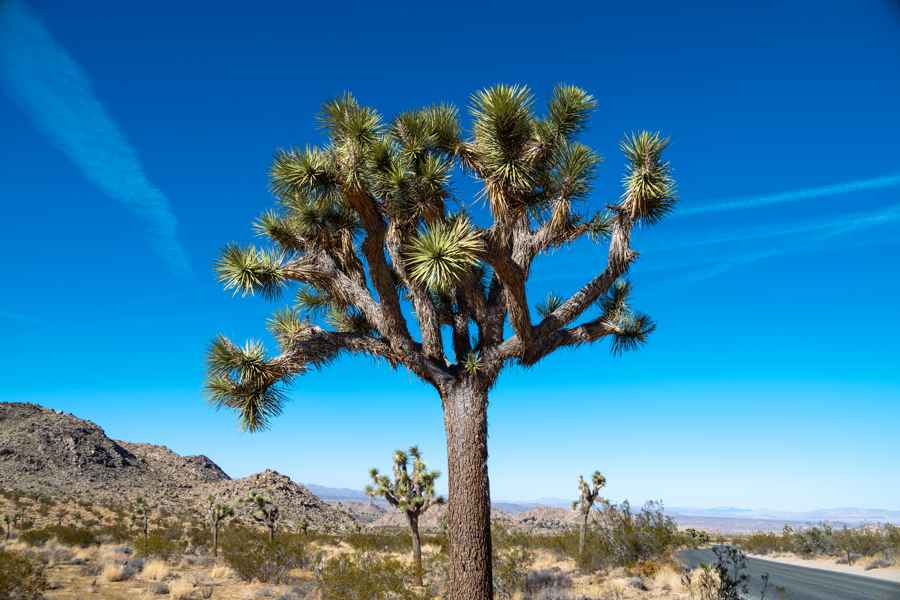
[[828, 564]]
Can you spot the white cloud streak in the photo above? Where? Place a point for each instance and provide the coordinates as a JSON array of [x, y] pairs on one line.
[[748, 202], [55, 93]]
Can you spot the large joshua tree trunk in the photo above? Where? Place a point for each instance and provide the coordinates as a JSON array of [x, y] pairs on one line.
[[469, 503]]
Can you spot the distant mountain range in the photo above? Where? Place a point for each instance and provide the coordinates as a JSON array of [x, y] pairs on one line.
[[58, 455], [848, 515]]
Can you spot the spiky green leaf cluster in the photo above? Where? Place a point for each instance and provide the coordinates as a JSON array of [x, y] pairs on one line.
[[444, 253], [242, 379], [262, 509], [569, 110], [472, 363], [250, 270], [409, 491], [548, 305], [629, 329], [348, 320], [631, 332], [589, 493], [649, 187], [219, 511]]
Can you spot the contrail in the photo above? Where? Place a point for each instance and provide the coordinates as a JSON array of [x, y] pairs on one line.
[[849, 187], [826, 231], [55, 93]]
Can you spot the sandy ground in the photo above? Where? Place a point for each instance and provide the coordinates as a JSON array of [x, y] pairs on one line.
[[180, 581], [828, 564]]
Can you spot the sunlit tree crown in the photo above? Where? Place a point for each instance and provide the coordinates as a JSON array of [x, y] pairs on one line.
[[370, 232]]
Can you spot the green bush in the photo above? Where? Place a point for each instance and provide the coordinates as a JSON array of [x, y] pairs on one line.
[[253, 557], [368, 577], [68, 536], [618, 537], [387, 541], [20, 577], [510, 571], [158, 545]]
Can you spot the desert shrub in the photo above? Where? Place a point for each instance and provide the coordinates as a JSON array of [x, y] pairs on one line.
[[821, 540], [618, 537], [52, 553], [387, 541], [367, 577], [158, 587], [155, 570], [198, 535], [156, 545], [21, 578], [814, 541], [116, 533], [646, 569], [181, 589], [118, 572], [69, 536], [725, 580], [253, 557], [694, 538], [547, 581], [879, 563], [510, 571], [762, 543]]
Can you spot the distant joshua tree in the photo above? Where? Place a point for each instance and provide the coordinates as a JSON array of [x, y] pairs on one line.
[[10, 520], [589, 494], [60, 513], [264, 512], [218, 514], [140, 514], [390, 260], [411, 493]]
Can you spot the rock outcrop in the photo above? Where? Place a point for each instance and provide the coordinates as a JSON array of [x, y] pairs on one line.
[[50, 453]]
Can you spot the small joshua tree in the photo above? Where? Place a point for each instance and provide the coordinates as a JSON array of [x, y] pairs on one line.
[[218, 514], [584, 504], [264, 512], [140, 514], [61, 514], [8, 520], [411, 493]]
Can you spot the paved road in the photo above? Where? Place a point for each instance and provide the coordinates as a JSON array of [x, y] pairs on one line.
[[802, 583]]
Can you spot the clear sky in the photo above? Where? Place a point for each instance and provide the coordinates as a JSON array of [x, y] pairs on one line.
[[136, 138]]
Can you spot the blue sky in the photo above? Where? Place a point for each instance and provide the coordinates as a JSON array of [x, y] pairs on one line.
[[136, 141]]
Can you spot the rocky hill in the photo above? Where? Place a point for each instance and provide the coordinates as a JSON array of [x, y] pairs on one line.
[[55, 454]]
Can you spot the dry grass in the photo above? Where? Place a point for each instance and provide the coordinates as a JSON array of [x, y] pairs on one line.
[[115, 572], [156, 570], [181, 589], [222, 573]]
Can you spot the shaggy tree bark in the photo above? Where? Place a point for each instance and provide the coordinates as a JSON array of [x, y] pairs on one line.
[[469, 502]]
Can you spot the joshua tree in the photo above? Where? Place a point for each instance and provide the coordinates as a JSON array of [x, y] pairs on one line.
[[218, 514], [8, 520], [140, 514], [411, 493], [264, 512], [589, 494], [370, 231]]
